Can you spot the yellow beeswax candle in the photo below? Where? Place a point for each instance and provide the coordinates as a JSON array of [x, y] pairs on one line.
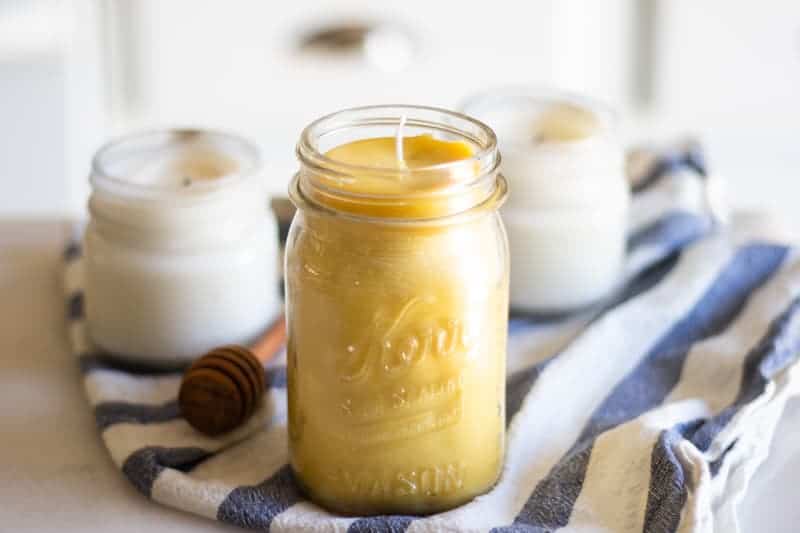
[[397, 293], [413, 187]]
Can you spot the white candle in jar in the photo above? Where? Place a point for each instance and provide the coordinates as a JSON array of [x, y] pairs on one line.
[[566, 213], [181, 249]]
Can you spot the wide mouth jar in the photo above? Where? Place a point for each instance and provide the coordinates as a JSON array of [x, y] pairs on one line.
[[398, 193]]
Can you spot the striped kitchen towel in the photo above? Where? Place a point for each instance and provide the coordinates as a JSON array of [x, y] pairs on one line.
[[650, 412]]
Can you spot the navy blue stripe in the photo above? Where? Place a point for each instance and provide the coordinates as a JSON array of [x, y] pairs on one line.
[[775, 352], [690, 157], [75, 306], [668, 481], [381, 524], [643, 282], [256, 506], [554, 496], [109, 413], [672, 231], [649, 383], [143, 466]]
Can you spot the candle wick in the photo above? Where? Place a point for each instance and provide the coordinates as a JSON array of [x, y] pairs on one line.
[[186, 181], [398, 142]]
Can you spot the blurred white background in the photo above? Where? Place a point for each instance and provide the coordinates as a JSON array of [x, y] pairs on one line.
[[74, 73]]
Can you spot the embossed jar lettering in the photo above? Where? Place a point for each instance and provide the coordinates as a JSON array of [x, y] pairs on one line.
[[395, 346], [429, 480]]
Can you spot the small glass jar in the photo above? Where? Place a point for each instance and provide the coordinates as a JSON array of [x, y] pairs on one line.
[[567, 214], [397, 307], [181, 249]]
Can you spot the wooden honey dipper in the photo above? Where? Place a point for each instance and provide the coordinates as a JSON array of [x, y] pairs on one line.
[[223, 388]]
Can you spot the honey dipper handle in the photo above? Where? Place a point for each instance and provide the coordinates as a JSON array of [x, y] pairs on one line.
[[269, 343]]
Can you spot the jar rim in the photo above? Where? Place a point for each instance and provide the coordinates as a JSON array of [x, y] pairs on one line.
[[307, 151], [101, 176], [328, 176]]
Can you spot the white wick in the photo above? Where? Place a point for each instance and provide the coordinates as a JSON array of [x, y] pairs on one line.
[[398, 142]]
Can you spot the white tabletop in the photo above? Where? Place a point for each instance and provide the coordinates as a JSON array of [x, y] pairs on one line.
[[54, 472]]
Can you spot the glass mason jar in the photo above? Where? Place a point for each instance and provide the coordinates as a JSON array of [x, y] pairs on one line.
[[181, 251], [397, 307]]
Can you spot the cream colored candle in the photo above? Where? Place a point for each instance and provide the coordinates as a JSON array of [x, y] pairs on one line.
[[181, 251], [567, 211]]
